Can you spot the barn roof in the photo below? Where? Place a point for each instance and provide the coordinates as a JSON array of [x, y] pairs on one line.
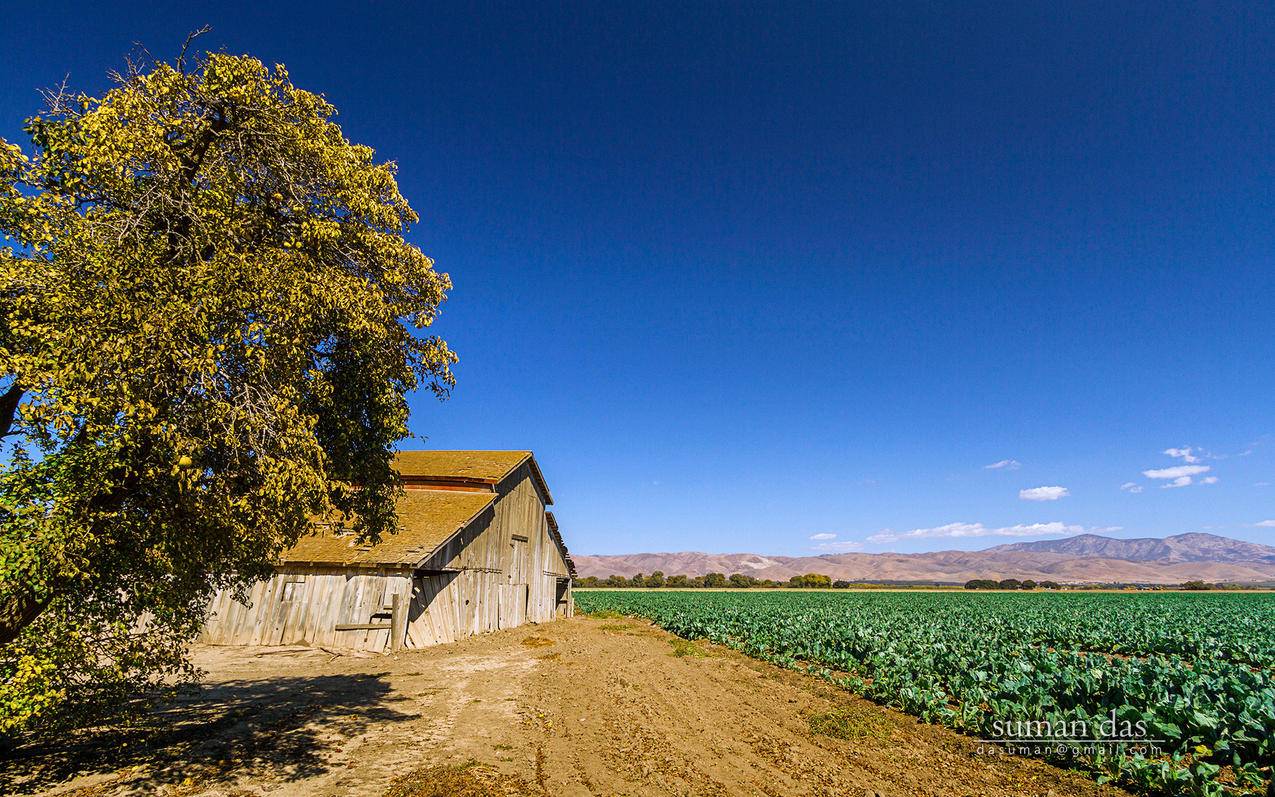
[[486, 466], [473, 467], [427, 518]]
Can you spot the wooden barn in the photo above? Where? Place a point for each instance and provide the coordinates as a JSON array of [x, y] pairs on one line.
[[476, 551]]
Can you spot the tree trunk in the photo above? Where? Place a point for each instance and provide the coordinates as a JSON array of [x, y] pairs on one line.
[[18, 612], [9, 408]]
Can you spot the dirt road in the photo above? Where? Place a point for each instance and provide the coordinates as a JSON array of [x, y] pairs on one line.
[[578, 707]]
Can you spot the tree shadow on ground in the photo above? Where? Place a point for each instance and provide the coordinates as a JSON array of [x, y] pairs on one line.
[[285, 727]]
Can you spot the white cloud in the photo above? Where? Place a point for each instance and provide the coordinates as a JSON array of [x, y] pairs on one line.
[[1176, 472], [1179, 475], [1266, 524], [838, 547], [1044, 493], [1253, 446], [1131, 487], [1183, 454], [1261, 484], [823, 535], [960, 530], [1004, 464]]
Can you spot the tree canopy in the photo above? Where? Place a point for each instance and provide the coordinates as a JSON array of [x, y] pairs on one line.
[[211, 321]]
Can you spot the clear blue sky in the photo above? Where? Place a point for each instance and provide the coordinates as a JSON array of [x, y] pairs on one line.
[[741, 274]]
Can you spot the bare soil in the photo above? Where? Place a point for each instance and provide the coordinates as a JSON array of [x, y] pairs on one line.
[[577, 707]]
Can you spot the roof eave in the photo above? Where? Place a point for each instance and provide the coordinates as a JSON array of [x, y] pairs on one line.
[[539, 478]]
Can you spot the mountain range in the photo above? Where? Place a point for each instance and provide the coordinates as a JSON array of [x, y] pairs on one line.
[[1085, 558]]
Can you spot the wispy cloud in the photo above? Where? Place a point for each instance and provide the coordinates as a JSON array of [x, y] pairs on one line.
[[837, 547], [1265, 524], [1253, 446], [1180, 475], [1183, 454], [1043, 493], [1176, 472], [1243, 452], [827, 542], [1004, 464], [961, 530]]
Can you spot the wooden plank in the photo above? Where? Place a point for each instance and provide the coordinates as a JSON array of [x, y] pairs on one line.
[[360, 627], [398, 623]]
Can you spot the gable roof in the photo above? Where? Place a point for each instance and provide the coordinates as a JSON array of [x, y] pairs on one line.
[[481, 466], [427, 519], [487, 468]]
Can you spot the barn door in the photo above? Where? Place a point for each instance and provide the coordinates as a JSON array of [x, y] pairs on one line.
[[560, 597], [518, 589]]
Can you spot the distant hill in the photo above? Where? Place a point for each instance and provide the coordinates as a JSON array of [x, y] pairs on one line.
[[1178, 548], [1087, 558]]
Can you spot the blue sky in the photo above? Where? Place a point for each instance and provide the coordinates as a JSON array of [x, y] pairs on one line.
[[744, 274]]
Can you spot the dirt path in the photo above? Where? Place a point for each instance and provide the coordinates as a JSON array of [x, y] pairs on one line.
[[578, 707]]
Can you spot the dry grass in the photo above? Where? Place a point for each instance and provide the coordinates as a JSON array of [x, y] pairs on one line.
[[460, 780], [686, 647], [849, 723], [537, 642]]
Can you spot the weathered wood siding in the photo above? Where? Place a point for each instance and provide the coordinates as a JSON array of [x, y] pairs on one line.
[[304, 606], [500, 571], [515, 562]]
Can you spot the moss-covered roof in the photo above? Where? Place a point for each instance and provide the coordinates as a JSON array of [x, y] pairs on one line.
[[484, 466], [427, 518]]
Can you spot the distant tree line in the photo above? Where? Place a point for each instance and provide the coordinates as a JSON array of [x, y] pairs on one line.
[[1010, 583], [1013, 583], [657, 579]]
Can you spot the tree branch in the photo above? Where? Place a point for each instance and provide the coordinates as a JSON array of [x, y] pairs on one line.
[[9, 408], [18, 612], [190, 37]]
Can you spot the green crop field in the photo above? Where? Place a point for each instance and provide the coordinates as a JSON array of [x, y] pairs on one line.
[[1195, 673]]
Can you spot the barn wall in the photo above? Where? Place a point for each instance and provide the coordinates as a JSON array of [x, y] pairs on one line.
[[501, 571], [303, 607], [508, 568]]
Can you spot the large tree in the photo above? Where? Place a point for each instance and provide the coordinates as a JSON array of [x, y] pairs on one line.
[[211, 319]]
